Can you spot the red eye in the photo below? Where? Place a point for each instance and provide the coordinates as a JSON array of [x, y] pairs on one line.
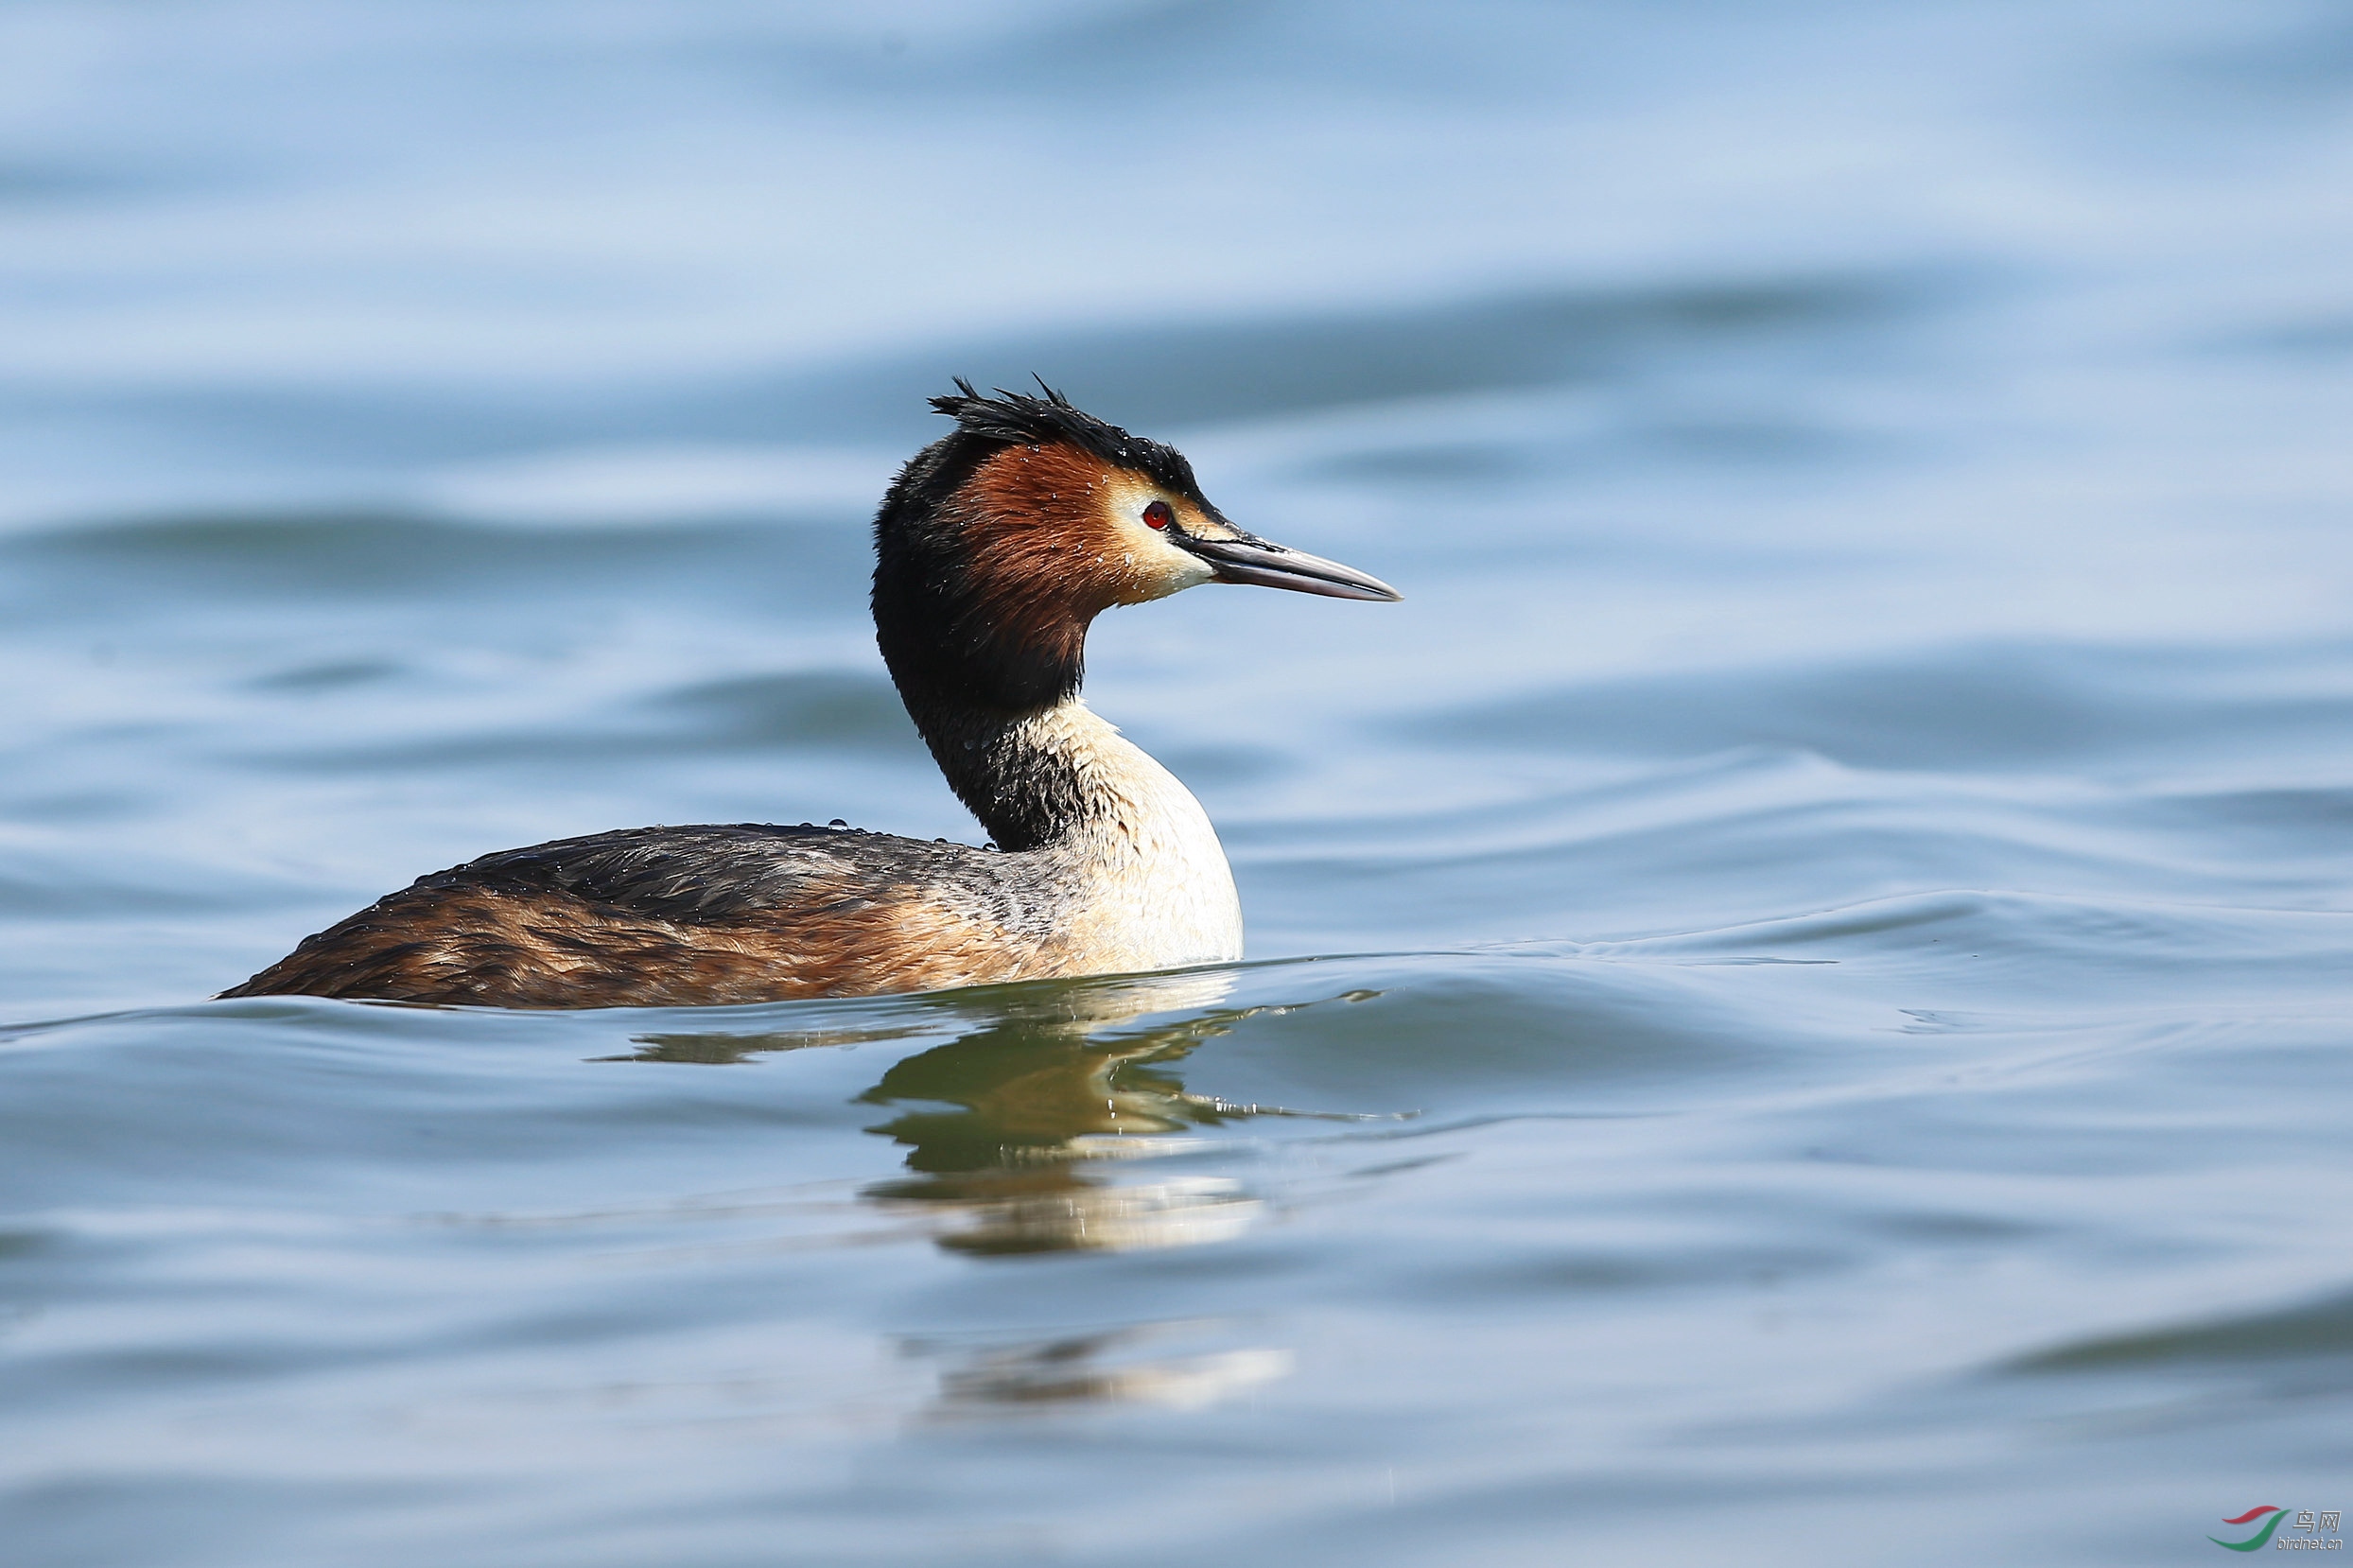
[[1157, 514]]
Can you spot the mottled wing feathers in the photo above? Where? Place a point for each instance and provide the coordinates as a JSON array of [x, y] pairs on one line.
[[680, 917], [683, 874]]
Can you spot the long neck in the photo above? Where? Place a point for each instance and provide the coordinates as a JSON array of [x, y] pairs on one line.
[[989, 657], [1047, 775], [1131, 866], [984, 674], [1139, 881]]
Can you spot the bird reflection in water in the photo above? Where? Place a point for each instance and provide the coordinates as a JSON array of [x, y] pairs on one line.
[[1010, 1127], [1131, 1365]]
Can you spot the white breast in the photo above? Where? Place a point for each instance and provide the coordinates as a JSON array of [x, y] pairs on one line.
[[1147, 882]]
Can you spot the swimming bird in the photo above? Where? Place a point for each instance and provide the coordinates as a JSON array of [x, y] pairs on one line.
[[995, 548]]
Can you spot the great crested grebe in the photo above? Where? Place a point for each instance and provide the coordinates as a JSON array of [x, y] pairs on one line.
[[995, 547]]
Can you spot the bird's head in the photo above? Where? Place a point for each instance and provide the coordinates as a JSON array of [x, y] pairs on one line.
[[998, 544]]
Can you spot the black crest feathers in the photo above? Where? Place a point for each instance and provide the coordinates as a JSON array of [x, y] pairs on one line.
[[1019, 419]]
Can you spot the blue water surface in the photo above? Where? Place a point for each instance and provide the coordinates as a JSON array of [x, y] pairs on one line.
[[1801, 985]]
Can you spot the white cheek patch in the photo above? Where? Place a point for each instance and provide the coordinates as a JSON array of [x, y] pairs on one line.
[[1186, 569], [1168, 567]]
